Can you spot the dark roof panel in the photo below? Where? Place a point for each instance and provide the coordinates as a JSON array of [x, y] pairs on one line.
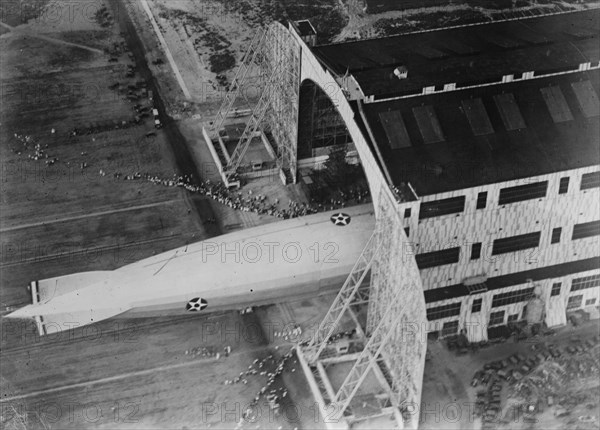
[[509, 111], [395, 129], [587, 98], [477, 116], [556, 104], [479, 53], [428, 123]]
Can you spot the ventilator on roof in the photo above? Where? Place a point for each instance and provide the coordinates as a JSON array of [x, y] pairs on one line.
[[401, 72]]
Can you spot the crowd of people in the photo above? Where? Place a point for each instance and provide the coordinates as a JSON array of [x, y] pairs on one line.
[[248, 201], [36, 152], [273, 395]]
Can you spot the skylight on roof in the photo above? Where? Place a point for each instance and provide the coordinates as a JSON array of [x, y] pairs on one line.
[[477, 116], [556, 104], [587, 98], [395, 130], [509, 111], [428, 123]]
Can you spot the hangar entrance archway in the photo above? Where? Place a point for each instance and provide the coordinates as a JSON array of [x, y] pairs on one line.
[[320, 125]]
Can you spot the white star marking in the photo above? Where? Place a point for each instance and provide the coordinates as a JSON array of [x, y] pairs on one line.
[[340, 219]]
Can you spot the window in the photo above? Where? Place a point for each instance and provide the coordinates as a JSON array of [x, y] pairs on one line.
[[555, 289], [496, 318], [585, 282], [442, 207], [563, 187], [512, 297], [443, 311], [438, 258], [587, 229], [476, 251], [574, 302], [407, 212], [523, 192], [590, 302], [482, 200], [512, 318], [407, 231], [449, 328], [476, 305], [516, 243], [556, 235], [590, 180]]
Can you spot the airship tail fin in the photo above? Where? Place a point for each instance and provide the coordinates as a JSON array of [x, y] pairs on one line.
[[56, 323]]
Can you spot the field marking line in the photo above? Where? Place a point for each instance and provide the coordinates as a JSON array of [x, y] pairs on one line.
[[100, 381], [89, 215], [50, 39], [166, 49]]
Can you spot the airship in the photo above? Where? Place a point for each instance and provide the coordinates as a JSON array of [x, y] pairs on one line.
[[281, 261]]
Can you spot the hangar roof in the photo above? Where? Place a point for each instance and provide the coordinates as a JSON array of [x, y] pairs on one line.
[[485, 130], [462, 139], [467, 55]]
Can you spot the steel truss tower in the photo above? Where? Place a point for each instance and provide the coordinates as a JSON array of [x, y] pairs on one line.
[[276, 56], [394, 339]]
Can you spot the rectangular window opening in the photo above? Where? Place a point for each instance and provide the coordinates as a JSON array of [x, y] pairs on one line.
[[511, 297], [438, 258], [556, 232], [496, 318], [523, 192], [575, 302], [563, 187], [442, 207], [445, 311], [482, 200], [555, 289], [590, 180], [586, 229], [450, 328], [516, 243], [585, 283]]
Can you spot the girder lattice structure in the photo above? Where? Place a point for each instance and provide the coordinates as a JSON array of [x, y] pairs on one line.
[[235, 89], [283, 53], [394, 339], [346, 297], [254, 123], [395, 270], [276, 56]]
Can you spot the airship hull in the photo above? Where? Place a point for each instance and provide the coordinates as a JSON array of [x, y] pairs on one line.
[[287, 260]]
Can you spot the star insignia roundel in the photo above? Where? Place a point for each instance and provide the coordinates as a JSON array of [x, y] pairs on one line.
[[196, 304], [340, 219]]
